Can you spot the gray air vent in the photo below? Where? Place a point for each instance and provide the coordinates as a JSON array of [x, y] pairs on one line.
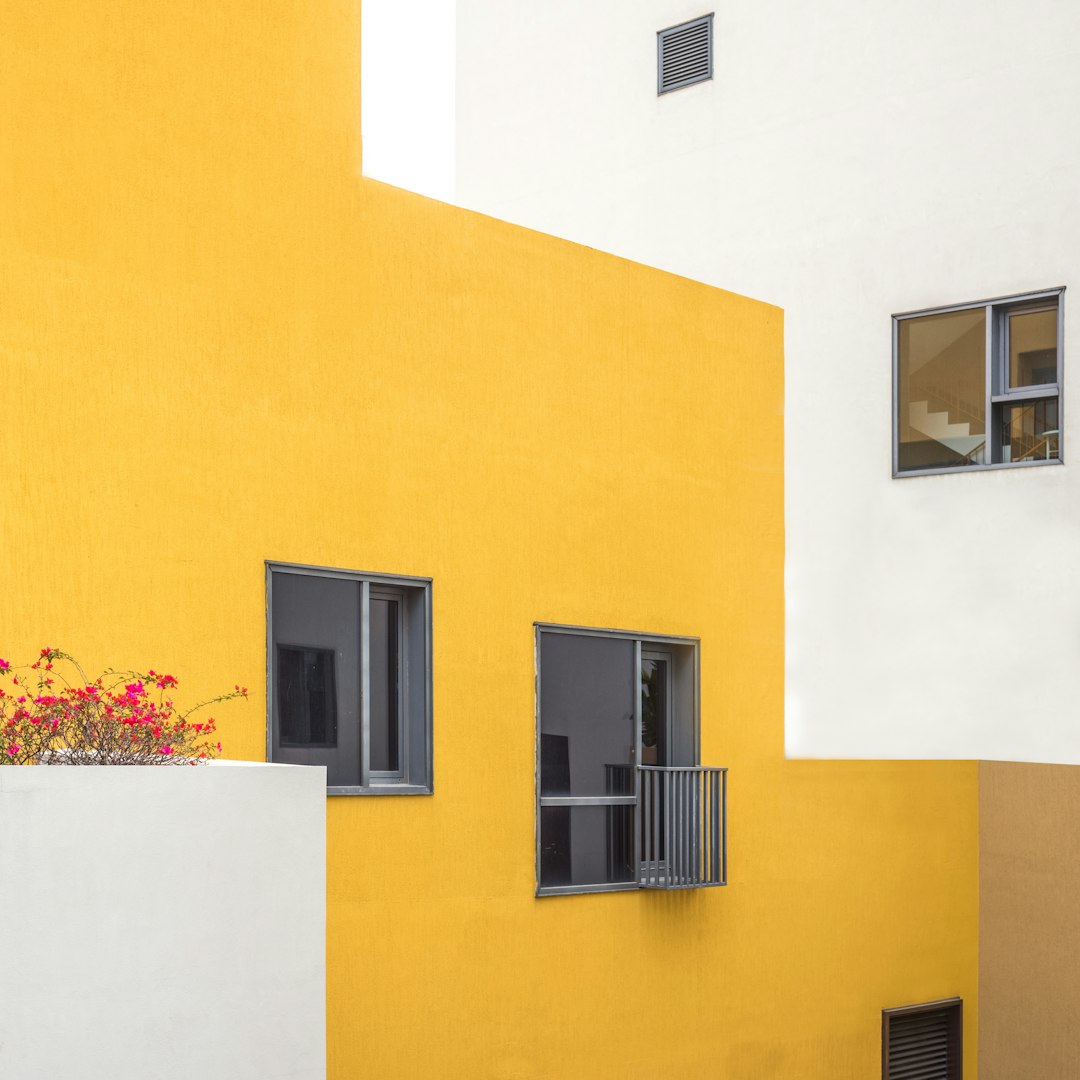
[[684, 54], [922, 1042]]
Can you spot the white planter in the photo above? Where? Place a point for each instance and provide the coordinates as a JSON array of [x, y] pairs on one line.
[[162, 923]]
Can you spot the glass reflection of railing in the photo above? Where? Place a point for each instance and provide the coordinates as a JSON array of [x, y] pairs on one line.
[[1044, 447], [949, 399], [976, 456]]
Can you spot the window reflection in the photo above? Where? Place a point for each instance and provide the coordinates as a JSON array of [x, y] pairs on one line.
[[385, 680], [306, 696], [1030, 431], [942, 390], [586, 845], [587, 691], [1033, 348]]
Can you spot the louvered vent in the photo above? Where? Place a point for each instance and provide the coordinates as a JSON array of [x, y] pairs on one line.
[[922, 1042], [684, 54]]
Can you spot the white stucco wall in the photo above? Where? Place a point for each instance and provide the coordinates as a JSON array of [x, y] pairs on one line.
[[848, 161], [162, 923]]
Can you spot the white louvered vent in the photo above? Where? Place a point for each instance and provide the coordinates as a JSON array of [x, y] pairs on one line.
[[923, 1042], [684, 54]]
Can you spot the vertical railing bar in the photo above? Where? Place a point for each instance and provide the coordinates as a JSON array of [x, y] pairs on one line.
[[656, 828], [684, 830], [723, 812], [691, 839], [668, 805], [705, 827], [718, 811], [691, 833], [714, 831], [643, 809], [703, 783], [688, 785], [650, 828], [699, 852], [713, 823], [706, 841], [682, 826], [677, 828], [643, 813]]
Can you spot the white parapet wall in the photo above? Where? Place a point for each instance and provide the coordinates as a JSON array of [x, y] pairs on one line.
[[163, 923]]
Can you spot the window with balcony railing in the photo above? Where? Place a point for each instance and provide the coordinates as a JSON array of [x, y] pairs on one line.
[[622, 799]]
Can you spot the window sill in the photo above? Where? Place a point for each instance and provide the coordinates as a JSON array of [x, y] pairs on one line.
[[575, 890], [976, 468], [382, 789]]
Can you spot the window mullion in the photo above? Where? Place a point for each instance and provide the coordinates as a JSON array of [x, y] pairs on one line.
[[635, 854], [365, 683], [403, 684], [992, 443], [1060, 376]]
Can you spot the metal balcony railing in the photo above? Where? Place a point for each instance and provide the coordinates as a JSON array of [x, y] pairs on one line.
[[682, 826]]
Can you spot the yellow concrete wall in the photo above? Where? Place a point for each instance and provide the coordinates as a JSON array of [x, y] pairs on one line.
[[219, 345], [1029, 921]]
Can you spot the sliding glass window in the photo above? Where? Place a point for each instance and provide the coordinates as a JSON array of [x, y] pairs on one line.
[[608, 701], [349, 677]]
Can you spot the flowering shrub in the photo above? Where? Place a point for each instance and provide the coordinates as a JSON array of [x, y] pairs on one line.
[[50, 713]]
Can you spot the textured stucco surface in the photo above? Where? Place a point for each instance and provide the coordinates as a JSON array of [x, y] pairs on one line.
[[1029, 921], [221, 345], [163, 922], [846, 162]]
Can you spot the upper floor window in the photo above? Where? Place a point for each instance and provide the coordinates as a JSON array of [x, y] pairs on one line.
[[978, 385], [349, 677], [622, 801], [684, 54]]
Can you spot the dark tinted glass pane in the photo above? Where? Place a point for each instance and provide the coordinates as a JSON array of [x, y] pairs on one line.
[[315, 617], [654, 710], [941, 388], [587, 691], [385, 717], [586, 845], [306, 697]]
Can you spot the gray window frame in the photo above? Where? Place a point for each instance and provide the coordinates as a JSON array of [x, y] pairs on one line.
[[642, 642], [661, 37], [416, 777], [998, 309]]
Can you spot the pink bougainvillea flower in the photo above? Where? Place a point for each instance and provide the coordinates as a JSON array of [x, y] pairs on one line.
[[109, 720]]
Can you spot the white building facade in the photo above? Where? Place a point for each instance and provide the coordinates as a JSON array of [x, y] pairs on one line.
[[851, 163]]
